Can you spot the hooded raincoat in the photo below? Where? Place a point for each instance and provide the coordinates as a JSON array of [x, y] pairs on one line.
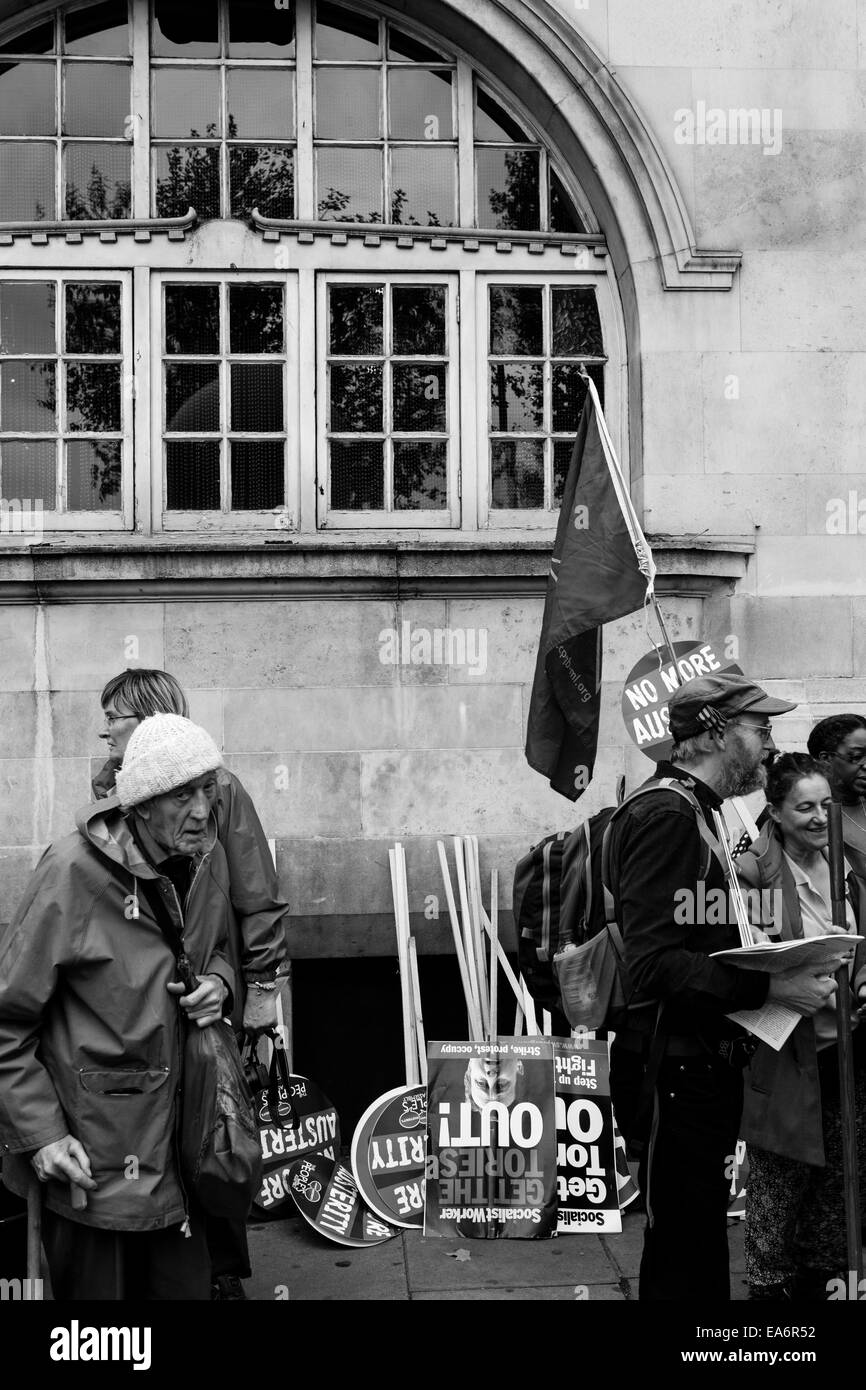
[[90, 1038]]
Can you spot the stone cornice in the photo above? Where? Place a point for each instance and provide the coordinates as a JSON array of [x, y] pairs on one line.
[[352, 568]]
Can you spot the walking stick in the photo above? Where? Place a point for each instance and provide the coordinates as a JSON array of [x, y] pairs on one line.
[[34, 1230], [848, 1116]]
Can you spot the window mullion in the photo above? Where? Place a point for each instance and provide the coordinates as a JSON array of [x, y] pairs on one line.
[[387, 396], [136, 498], [465, 146], [60, 395], [225, 202], [544, 188], [225, 392], [305, 204], [58, 143], [140, 112], [547, 397]]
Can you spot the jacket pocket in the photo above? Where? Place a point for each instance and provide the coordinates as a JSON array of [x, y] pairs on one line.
[[124, 1081], [124, 1119]]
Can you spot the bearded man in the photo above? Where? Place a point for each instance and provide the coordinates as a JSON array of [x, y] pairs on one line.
[[676, 1069]]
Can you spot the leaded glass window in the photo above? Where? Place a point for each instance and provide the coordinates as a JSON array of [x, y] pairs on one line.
[[301, 109], [65, 126], [223, 109], [224, 406], [389, 418], [539, 338], [64, 397]]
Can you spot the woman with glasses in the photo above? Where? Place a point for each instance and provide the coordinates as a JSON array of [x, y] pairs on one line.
[[795, 1213]]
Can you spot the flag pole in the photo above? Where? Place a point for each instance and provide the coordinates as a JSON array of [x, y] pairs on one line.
[[665, 637], [638, 539], [847, 1102]]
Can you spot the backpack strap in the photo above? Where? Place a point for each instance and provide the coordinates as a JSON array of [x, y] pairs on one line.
[[671, 784]]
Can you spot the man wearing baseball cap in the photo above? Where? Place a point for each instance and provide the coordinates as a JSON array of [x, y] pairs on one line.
[[676, 1072], [89, 1022]]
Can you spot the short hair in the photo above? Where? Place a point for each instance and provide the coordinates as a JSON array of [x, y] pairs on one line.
[[146, 692], [786, 771], [688, 750], [827, 734]]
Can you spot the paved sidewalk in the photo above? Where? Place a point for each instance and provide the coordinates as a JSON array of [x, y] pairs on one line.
[[290, 1260]]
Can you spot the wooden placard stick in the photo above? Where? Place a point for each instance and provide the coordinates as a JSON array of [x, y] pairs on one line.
[[470, 849], [504, 962], [474, 1031], [494, 942], [408, 994], [416, 1001], [532, 1030], [408, 1042], [466, 920]]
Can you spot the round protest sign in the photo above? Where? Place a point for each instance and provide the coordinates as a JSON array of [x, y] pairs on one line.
[[305, 1122], [648, 690], [388, 1155], [327, 1197]]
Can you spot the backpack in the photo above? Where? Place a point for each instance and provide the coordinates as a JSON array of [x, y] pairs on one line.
[[569, 945], [558, 899]]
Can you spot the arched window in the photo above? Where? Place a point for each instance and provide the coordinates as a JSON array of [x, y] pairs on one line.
[[381, 368]]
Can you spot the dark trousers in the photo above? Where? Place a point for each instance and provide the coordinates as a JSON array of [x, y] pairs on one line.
[[87, 1263], [698, 1105], [228, 1247]]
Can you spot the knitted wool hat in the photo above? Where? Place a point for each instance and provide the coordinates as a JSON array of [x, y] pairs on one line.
[[165, 752]]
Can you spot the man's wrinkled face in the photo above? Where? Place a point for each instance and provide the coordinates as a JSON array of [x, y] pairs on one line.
[[493, 1078], [747, 740], [178, 820]]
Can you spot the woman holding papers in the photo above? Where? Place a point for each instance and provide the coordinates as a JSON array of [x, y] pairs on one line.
[[795, 1214]]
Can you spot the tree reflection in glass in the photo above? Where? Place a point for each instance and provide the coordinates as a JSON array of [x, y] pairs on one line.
[[187, 176], [508, 189], [517, 472], [93, 474], [262, 177], [356, 398], [105, 191], [349, 184], [418, 319], [92, 317], [256, 318], [420, 475], [355, 319], [93, 397]]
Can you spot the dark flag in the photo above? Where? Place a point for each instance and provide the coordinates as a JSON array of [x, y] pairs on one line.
[[601, 569]]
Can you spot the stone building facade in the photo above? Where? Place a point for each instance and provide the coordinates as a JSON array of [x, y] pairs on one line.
[[293, 299]]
